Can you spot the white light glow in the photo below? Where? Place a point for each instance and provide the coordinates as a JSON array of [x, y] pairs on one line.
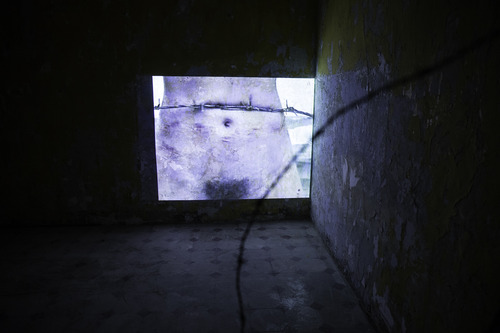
[[214, 153], [298, 92]]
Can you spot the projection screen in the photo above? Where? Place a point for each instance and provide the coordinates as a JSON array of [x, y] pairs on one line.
[[225, 138]]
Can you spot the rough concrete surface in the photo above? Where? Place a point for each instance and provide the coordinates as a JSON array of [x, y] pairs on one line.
[[77, 146], [402, 186]]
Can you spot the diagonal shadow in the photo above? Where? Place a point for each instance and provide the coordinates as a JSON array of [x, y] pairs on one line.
[[486, 39]]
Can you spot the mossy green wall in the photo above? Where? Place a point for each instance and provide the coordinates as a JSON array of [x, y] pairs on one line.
[[404, 188], [69, 121]]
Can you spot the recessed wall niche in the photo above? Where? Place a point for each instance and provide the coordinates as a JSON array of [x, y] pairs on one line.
[[220, 138]]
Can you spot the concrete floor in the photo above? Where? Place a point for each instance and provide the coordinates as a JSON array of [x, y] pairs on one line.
[[172, 279]]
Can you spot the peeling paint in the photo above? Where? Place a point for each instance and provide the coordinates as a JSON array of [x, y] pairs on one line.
[[399, 184], [353, 180], [345, 170]]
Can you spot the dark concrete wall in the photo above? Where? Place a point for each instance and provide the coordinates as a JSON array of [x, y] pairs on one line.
[[405, 187], [76, 147]]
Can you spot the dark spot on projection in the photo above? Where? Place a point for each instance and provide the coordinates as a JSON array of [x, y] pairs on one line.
[[227, 189], [170, 151], [227, 122], [198, 127], [169, 128]]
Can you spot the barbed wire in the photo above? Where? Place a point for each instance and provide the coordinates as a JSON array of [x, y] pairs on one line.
[[201, 107]]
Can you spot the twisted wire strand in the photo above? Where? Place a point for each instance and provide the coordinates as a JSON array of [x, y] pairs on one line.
[[200, 107]]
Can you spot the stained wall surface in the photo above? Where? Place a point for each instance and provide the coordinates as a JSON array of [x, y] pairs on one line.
[[77, 121], [405, 186]]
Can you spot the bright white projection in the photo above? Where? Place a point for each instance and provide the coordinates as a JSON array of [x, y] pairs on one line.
[[225, 138]]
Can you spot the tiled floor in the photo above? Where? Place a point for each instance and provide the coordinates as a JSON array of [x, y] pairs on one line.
[[172, 279]]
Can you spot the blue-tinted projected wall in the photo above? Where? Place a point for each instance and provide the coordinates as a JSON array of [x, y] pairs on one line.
[[229, 138]]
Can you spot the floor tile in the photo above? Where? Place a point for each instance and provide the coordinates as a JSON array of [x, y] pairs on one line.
[[175, 278]]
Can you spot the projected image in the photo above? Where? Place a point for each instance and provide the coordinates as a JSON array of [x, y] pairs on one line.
[[221, 138]]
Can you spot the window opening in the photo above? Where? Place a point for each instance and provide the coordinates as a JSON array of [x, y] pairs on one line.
[[229, 137]]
